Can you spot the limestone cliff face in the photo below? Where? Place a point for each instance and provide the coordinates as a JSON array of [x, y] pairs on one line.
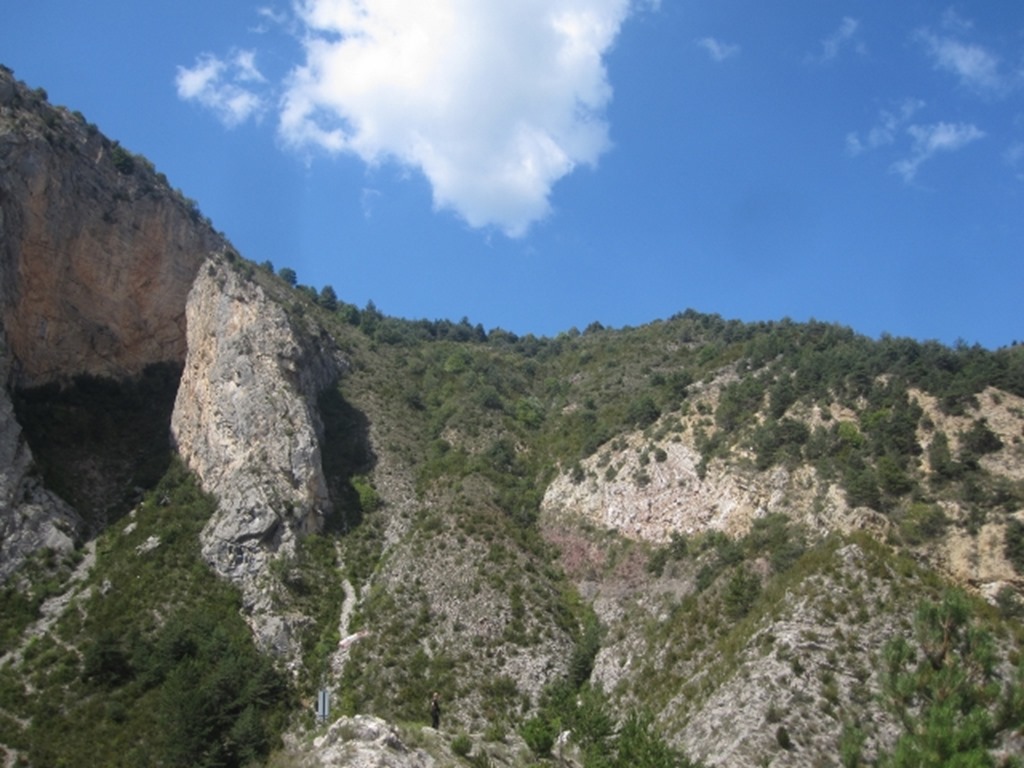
[[97, 254], [104, 271], [652, 488], [245, 421], [31, 518], [651, 499]]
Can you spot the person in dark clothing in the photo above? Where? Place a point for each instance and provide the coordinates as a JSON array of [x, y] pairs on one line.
[[435, 710]]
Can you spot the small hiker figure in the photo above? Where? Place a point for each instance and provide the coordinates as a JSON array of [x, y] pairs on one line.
[[435, 710]]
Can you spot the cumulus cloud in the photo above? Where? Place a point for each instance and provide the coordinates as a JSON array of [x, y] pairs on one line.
[[492, 102], [230, 88], [270, 18], [929, 140], [718, 50]]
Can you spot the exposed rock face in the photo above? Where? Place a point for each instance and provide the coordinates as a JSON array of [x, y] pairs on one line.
[[783, 666], [96, 258], [980, 561], [100, 274], [818, 651], [469, 610], [369, 742], [649, 489], [650, 498], [362, 742], [245, 421], [31, 518], [1001, 412]]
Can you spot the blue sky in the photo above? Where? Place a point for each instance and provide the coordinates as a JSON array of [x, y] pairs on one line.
[[545, 164]]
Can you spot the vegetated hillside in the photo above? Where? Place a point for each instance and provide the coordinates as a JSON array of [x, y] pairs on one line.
[[752, 630], [700, 539], [770, 637]]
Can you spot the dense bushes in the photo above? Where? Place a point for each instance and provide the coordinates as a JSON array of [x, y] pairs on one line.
[[1014, 544], [215, 692], [943, 689], [603, 739], [168, 673]]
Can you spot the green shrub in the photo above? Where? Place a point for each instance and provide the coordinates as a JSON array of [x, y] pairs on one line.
[[851, 744], [1013, 546], [657, 561], [539, 735], [782, 738], [741, 593], [123, 160], [942, 687], [780, 442], [923, 522], [638, 745], [979, 440], [462, 745], [369, 499]]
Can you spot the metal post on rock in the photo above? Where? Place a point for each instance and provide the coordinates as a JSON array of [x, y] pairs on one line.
[[323, 705]]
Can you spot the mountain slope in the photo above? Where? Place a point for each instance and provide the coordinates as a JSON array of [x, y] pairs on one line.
[[699, 537]]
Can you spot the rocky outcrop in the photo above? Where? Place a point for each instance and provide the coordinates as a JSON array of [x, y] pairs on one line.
[[361, 742], [104, 271], [795, 659], [245, 421], [651, 492], [649, 489], [31, 518], [97, 254], [96, 258], [364, 741]]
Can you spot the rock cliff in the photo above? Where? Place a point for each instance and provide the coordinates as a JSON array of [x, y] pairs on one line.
[[31, 517], [105, 271], [652, 489], [97, 255], [245, 420]]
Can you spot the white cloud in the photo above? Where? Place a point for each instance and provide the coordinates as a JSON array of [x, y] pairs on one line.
[[894, 127], [228, 88], [493, 102], [928, 140], [885, 130], [975, 66], [718, 50], [245, 65], [845, 36], [270, 18]]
